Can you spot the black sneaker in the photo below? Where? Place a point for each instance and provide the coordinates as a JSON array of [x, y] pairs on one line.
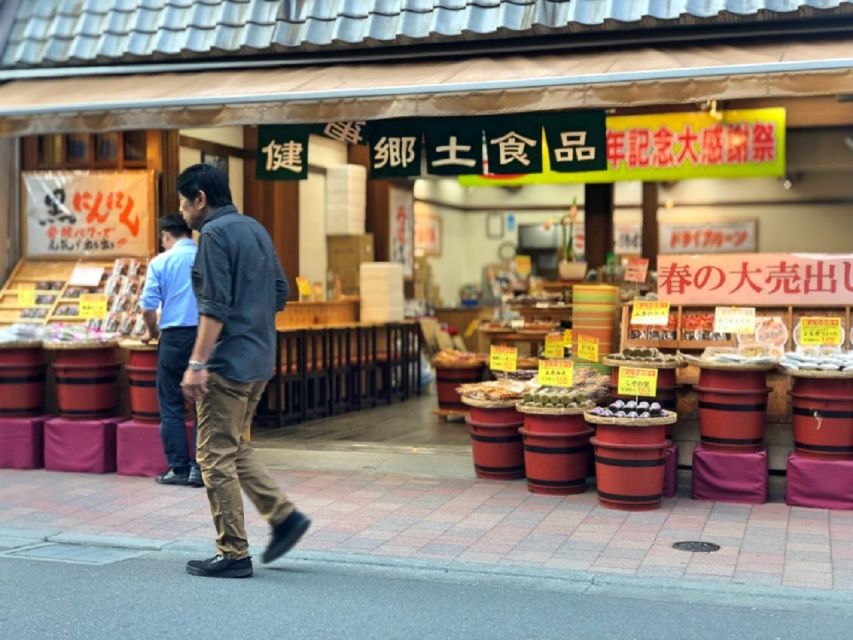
[[194, 479], [221, 567], [170, 477], [285, 535]]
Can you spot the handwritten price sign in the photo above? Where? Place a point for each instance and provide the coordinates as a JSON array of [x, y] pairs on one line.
[[734, 320], [304, 287], [637, 270], [554, 344], [637, 381], [650, 312], [26, 294], [818, 331], [556, 373], [567, 337], [587, 348], [93, 306], [503, 359]]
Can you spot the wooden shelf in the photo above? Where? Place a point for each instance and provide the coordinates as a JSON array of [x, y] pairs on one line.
[[790, 315]]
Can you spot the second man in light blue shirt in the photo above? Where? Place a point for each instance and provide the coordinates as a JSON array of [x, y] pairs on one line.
[[168, 287]]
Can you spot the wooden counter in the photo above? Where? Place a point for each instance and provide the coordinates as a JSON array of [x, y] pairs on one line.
[[309, 314], [461, 318]]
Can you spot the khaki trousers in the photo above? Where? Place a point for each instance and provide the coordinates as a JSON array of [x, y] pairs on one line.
[[228, 463]]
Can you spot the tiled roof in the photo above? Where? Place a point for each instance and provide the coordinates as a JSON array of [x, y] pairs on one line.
[[63, 32]]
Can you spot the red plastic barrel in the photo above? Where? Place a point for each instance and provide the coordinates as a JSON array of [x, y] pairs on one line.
[[822, 417], [86, 381], [556, 463], [22, 381], [142, 382], [448, 378], [629, 477], [497, 450]]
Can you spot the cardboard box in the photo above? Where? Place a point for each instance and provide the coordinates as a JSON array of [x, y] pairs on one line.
[[345, 255]]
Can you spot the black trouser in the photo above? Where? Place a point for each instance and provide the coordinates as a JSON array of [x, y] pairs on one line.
[[174, 351]]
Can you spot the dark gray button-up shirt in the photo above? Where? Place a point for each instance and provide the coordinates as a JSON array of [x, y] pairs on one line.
[[238, 280]]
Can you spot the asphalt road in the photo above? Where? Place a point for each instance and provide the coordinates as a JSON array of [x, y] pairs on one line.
[[151, 596]]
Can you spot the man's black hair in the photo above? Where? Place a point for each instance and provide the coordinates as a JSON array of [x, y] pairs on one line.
[[175, 224], [204, 177]]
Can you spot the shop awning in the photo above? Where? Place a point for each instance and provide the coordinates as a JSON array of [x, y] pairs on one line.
[[647, 76]]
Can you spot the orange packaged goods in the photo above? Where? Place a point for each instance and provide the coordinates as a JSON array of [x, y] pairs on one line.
[[448, 358]]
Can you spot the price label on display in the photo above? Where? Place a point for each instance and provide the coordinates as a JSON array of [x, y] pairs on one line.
[[93, 306], [637, 381], [556, 373], [587, 348], [734, 320], [650, 312], [821, 331], [554, 344], [304, 287], [523, 266], [503, 359], [26, 294], [567, 337], [637, 270]]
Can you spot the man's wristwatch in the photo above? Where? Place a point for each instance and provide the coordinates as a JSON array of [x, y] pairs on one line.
[[195, 365]]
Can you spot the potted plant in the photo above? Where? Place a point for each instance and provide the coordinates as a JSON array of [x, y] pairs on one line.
[[569, 268]]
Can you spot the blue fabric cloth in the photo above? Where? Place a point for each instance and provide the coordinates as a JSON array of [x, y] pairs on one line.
[[168, 284]]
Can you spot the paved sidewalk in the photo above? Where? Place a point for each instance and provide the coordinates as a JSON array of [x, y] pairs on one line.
[[464, 521]]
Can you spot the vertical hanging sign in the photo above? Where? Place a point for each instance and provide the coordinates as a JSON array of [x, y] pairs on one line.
[[282, 152]]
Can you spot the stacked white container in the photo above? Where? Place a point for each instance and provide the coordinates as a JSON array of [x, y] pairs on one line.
[[346, 199], [381, 290]]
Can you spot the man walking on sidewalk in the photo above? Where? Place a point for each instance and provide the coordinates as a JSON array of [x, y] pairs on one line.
[[239, 285], [168, 286]]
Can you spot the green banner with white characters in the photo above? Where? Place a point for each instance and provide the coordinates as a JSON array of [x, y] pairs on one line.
[[283, 152], [454, 147], [503, 145]]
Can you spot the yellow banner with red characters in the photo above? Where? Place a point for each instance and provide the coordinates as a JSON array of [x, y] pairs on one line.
[[675, 146]]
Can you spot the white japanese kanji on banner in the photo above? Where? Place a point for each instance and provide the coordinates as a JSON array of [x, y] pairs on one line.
[[88, 213], [401, 225]]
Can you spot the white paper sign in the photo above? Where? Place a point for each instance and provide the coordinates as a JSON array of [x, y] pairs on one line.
[[401, 219], [83, 276], [83, 213]]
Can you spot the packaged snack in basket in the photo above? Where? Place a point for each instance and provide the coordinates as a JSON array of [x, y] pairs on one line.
[[120, 267], [127, 325], [94, 324], [139, 328], [113, 323], [121, 304], [133, 268], [130, 287]]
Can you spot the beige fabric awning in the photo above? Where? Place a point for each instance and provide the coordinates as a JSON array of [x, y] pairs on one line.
[[647, 76]]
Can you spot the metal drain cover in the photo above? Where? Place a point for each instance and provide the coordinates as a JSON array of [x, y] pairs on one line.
[[696, 546]]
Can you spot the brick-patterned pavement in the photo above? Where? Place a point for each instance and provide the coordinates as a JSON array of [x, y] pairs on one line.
[[465, 521]]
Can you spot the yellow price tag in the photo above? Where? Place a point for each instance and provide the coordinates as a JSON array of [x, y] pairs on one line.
[[567, 337], [472, 328], [587, 348], [637, 381], [523, 266], [820, 331], [650, 312], [93, 306], [554, 345], [304, 287], [503, 359], [734, 320], [26, 294], [556, 373]]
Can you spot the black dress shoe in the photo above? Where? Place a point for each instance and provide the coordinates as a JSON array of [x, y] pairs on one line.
[[285, 535], [170, 477], [221, 567], [194, 479]]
